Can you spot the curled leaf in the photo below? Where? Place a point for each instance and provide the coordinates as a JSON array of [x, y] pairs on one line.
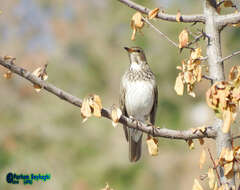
[[228, 168], [41, 73], [136, 23], [86, 109], [190, 144], [179, 87], [116, 115], [183, 39], [196, 54], [152, 144], [153, 13], [96, 105]]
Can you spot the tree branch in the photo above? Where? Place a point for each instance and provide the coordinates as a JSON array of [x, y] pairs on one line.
[[230, 56], [149, 129], [216, 72], [223, 20], [163, 16], [162, 34]]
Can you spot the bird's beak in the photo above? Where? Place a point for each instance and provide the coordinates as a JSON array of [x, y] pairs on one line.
[[128, 49]]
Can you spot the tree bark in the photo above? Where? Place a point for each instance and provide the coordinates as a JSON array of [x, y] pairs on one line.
[[216, 72]]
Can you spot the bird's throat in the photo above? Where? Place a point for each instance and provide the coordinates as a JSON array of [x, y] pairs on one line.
[[135, 66]]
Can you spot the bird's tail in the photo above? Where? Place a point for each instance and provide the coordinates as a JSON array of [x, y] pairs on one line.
[[135, 147]]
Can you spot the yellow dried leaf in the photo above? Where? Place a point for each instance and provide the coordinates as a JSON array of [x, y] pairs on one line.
[[86, 109], [116, 115], [227, 117], [196, 185], [228, 3], [201, 141], [189, 90], [153, 13], [7, 75], [179, 86], [183, 39], [137, 20], [190, 144], [178, 16], [229, 155], [37, 87], [133, 34], [152, 146], [228, 167], [96, 105], [211, 178], [199, 73], [41, 72], [202, 159], [196, 54]]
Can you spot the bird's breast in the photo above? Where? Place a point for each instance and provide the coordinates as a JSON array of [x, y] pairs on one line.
[[139, 98]]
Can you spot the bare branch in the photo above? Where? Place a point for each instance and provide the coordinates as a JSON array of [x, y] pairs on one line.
[[149, 129], [163, 16], [223, 20], [229, 56], [162, 34]]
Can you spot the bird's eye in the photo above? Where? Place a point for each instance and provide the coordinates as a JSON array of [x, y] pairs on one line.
[[138, 51]]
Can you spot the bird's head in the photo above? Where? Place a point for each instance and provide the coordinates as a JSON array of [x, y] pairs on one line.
[[137, 57]]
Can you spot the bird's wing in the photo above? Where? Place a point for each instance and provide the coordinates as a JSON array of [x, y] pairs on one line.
[[155, 104], [123, 107]]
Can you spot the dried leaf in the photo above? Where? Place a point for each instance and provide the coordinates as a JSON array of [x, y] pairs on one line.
[[116, 115], [183, 39], [196, 185], [227, 117], [190, 144], [41, 72], [96, 105], [86, 109], [201, 141], [179, 87], [133, 34], [202, 159], [178, 17], [7, 75], [229, 155], [211, 178], [152, 146], [37, 87], [228, 3], [228, 167], [153, 13], [196, 54], [137, 20]]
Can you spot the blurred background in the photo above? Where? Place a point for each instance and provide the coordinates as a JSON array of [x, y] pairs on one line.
[[82, 41]]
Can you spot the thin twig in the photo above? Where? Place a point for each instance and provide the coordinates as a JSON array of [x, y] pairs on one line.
[[215, 167], [157, 30], [230, 56], [146, 128]]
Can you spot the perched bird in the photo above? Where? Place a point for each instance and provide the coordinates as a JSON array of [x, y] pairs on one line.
[[138, 98]]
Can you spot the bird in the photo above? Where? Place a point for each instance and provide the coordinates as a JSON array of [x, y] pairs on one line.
[[138, 98]]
